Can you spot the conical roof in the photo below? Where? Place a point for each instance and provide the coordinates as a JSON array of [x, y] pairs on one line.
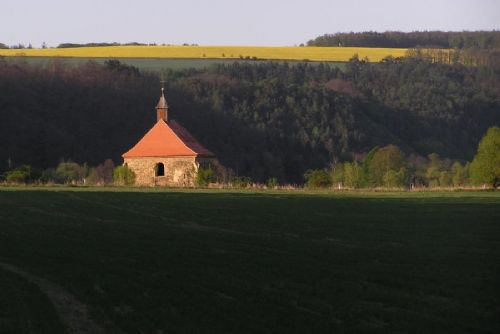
[[167, 140], [162, 103]]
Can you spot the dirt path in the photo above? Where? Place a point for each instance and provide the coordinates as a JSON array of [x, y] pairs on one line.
[[73, 313]]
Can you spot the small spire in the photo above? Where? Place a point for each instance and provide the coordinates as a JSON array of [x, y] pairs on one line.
[[162, 106]]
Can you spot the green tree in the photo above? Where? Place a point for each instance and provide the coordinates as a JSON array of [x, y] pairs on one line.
[[433, 171], [485, 168], [317, 178], [353, 175], [337, 174], [459, 174], [366, 164], [445, 178], [384, 160], [123, 175], [396, 179]]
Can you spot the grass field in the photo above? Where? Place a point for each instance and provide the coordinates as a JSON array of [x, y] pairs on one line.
[[166, 261], [24, 309], [335, 54]]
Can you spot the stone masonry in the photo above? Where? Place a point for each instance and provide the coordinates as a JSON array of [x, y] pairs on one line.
[[178, 171]]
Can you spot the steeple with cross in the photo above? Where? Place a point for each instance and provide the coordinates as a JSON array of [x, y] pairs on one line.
[[162, 106]]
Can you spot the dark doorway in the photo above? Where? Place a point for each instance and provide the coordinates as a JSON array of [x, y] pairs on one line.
[[160, 169]]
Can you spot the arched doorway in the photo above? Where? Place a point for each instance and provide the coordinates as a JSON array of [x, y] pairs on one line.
[[160, 169]]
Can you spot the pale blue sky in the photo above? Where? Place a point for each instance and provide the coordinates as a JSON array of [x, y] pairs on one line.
[[226, 22]]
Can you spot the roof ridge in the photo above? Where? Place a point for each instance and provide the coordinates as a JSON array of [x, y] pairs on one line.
[[167, 139], [176, 135]]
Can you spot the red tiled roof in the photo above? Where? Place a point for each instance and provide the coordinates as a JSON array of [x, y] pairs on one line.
[[166, 140]]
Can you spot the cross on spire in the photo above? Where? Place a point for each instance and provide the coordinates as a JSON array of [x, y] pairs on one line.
[[162, 82], [162, 106]]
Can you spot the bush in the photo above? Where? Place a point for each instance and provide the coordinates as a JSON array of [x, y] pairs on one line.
[[21, 174], [16, 176], [69, 172], [49, 175], [317, 179], [241, 181], [102, 174], [122, 175], [272, 183], [204, 177]]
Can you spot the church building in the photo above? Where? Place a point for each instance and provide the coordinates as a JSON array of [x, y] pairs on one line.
[[168, 155]]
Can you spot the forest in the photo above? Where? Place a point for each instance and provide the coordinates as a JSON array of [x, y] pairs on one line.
[[426, 39], [263, 120]]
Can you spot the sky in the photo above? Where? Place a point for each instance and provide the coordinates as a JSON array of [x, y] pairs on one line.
[[230, 22]]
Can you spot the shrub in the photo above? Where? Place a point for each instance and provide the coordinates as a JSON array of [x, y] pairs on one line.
[[204, 177], [241, 181], [69, 172], [317, 179], [272, 183], [122, 175], [102, 174], [48, 175], [16, 176], [21, 174]]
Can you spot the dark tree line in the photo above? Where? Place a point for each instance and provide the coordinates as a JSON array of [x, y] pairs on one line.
[[398, 39], [81, 45], [75, 45], [263, 120]]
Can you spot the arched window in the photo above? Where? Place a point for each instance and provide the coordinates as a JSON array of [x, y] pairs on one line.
[[160, 169]]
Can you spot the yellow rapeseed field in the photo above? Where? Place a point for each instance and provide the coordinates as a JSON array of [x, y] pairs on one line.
[[219, 52]]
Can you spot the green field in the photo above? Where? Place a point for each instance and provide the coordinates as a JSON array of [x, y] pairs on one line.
[[171, 261], [150, 64]]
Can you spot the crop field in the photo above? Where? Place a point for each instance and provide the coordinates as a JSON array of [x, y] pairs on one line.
[[179, 261], [335, 54]]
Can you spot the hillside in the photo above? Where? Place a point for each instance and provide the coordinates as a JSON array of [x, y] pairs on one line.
[[261, 119]]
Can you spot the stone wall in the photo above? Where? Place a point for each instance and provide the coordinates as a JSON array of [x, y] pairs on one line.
[[178, 171]]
